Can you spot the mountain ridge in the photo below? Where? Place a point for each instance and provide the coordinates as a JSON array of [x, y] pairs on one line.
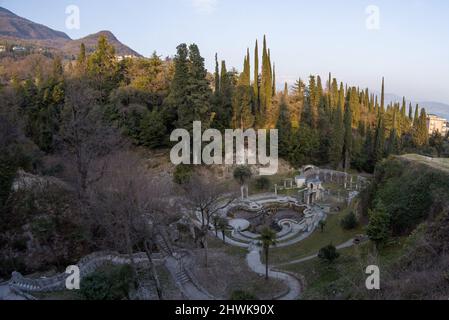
[[12, 25], [14, 28]]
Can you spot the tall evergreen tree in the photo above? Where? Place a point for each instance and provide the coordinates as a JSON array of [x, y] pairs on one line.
[[337, 137], [347, 148], [312, 112], [177, 98], [416, 117], [81, 61], [266, 83], [190, 92], [217, 76], [256, 73], [379, 143], [420, 131], [382, 99], [404, 108], [285, 129]]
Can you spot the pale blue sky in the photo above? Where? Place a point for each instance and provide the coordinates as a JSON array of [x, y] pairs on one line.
[[411, 49]]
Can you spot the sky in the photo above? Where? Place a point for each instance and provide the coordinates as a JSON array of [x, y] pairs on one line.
[[359, 41]]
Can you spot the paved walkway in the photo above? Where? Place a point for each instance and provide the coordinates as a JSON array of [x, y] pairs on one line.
[[255, 264]]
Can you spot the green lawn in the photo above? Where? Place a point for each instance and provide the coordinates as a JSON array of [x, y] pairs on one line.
[[333, 233]]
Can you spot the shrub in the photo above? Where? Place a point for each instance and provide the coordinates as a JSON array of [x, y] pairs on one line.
[[262, 183], [108, 283], [182, 174], [349, 222], [242, 174], [329, 253]]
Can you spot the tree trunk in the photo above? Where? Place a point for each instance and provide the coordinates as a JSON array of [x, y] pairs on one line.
[[224, 236], [129, 250], [266, 263], [153, 270], [205, 251]]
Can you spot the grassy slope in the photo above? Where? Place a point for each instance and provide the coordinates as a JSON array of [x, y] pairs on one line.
[[345, 278]]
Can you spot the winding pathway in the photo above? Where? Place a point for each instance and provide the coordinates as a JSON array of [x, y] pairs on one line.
[[255, 264]]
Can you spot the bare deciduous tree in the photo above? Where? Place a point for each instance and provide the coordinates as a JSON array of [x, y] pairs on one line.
[[207, 199], [129, 206]]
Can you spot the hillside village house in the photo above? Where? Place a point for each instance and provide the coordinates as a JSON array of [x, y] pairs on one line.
[[437, 124], [2, 48], [121, 58], [18, 49]]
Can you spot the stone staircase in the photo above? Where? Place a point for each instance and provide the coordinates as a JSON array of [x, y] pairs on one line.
[[163, 246]]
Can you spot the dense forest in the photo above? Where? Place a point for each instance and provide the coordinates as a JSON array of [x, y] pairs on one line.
[[325, 123]]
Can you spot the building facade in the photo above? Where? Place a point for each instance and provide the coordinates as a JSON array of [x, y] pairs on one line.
[[437, 124]]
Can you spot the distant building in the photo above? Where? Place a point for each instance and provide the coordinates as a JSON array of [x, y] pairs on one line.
[[121, 58], [437, 124], [18, 49], [2, 48]]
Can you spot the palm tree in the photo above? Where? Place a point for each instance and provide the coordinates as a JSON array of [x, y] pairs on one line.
[[267, 239], [242, 174]]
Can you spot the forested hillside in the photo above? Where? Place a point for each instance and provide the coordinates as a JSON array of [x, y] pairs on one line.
[[64, 119]]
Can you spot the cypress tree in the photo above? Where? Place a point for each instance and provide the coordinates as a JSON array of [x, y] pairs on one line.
[[334, 94], [319, 92], [284, 127], [392, 141], [404, 108], [223, 78], [382, 99], [416, 117], [274, 81], [420, 131], [379, 141], [410, 112], [81, 61], [256, 73], [217, 76], [266, 85]]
